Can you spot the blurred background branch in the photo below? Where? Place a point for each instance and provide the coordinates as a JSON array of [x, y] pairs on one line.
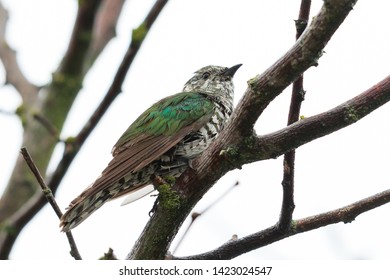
[[93, 29], [14, 75], [54, 106]]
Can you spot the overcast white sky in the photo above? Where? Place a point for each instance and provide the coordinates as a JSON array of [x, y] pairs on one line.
[[331, 172]]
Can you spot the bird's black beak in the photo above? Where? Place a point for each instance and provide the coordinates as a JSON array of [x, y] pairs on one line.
[[231, 71]]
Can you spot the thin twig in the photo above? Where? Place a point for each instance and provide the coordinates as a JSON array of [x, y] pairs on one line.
[[50, 198], [45, 189], [272, 234], [297, 97], [196, 215], [47, 125]]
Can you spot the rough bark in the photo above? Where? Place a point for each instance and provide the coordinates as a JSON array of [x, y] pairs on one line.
[[238, 145]]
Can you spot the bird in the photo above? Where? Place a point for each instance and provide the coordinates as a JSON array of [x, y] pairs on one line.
[[162, 141]]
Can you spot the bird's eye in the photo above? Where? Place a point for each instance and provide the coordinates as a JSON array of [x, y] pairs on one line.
[[206, 75]]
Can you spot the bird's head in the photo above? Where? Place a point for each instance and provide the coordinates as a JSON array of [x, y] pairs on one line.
[[213, 80]]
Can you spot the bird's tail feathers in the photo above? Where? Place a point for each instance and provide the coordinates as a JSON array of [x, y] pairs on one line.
[[83, 206]]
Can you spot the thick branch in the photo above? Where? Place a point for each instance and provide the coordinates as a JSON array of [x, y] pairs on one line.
[[272, 234], [304, 54], [273, 145], [215, 161], [279, 142], [14, 74]]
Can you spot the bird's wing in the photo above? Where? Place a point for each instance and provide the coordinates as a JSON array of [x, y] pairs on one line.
[[157, 130]]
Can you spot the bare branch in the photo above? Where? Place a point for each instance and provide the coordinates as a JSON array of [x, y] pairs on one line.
[[45, 189], [14, 75], [236, 144], [196, 215], [104, 26], [297, 98], [305, 53], [303, 18], [272, 234], [80, 40], [47, 124], [319, 125], [50, 198]]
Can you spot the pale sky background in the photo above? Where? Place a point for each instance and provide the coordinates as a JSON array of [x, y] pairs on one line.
[[330, 172]]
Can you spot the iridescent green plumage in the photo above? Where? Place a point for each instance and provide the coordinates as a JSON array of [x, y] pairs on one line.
[[169, 115], [161, 141]]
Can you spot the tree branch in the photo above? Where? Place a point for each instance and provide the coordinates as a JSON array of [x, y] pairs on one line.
[[104, 26], [279, 142], [196, 215], [74, 145], [297, 98], [50, 198], [54, 106], [305, 53], [225, 153], [272, 234], [14, 74]]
